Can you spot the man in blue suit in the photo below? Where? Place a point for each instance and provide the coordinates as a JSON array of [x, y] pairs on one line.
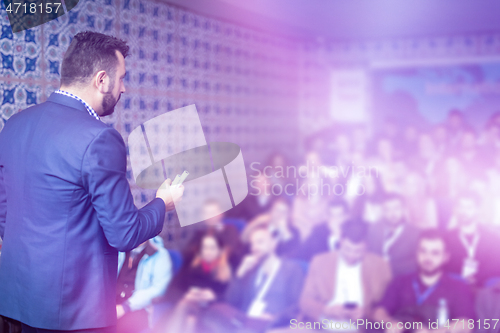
[[65, 204]]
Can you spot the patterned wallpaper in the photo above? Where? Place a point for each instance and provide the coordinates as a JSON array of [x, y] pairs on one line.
[[250, 87], [244, 82]]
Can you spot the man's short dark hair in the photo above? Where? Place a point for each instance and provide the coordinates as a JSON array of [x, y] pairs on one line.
[[88, 53], [433, 234], [252, 228], [354, 230]]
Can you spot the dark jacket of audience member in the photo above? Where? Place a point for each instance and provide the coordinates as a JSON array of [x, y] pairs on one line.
[[196, 276], [197, 273], [401, 254], [282, 296], [287, 248], [250, 207], [488, 307], [401, 303], [487, 255], [316, 243]]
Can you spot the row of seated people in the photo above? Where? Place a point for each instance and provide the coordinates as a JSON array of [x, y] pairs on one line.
[[266, 277]]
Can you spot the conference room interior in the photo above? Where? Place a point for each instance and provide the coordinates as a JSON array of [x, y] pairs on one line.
[[370, 134]]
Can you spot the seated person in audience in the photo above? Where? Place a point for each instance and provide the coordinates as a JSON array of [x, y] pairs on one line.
[[474, 248], [367, 206], [227, 232], [487, 307], [264, 292], [326, 236], [278, 219], [394, 238], [430, 294], [258, 200], [199, 282], [143, 275], [344, 285]]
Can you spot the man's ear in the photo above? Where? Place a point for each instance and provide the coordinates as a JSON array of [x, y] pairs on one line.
[[101, 81]]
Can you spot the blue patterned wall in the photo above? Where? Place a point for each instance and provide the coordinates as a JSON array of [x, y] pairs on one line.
[[243, 82]]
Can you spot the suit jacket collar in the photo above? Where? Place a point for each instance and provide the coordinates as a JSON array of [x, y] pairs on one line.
[[67, 101]]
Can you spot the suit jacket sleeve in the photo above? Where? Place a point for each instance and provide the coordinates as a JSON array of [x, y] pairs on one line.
[[235, 292], [3, 204], [379, 276], [294, 283], [104, 176], [312, 299]]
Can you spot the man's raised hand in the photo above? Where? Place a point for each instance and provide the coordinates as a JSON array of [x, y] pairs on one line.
[[170, 194]]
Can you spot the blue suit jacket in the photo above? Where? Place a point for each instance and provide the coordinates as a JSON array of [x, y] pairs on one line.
[[65, 212]]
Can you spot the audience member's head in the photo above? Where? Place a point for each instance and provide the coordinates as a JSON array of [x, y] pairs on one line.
[[212, 213], [353, 241], [466, 207], [262, 241], [393, 209], [468, 140], [426, 148], [94, 63], [211, 247], [440, 134], [432, 252], [385, 148], [280, 210], [338, 212], [211, 254]]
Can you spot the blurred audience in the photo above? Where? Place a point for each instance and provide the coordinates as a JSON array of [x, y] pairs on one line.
[[216, 223], [414, 208], [200, 281], [143, 275], [394, 238], [278, 220], [474, 247], [264, 292], [344, 285], [259, 199], [325, 236], [427, 296]]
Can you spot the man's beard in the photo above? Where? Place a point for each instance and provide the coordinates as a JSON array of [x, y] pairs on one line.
[[427, 272], [108, 104]]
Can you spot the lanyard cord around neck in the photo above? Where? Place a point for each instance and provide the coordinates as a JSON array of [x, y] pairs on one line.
[[421, 297], [470, 247]]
